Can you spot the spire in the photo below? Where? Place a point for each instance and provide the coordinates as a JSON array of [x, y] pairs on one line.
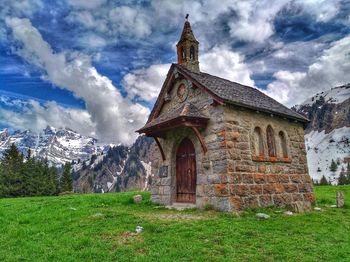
[[187, 48]]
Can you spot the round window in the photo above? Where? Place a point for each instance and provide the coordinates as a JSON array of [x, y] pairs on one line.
[[182, 92]]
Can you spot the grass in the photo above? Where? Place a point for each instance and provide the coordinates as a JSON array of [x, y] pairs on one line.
[[98, 228]]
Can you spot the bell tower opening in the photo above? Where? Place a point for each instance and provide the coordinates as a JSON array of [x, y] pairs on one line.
[[187, 48]]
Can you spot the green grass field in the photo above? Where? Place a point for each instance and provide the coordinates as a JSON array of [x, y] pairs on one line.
[[97, 228]]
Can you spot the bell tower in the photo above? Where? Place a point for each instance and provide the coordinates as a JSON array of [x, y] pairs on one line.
[[187, 49]]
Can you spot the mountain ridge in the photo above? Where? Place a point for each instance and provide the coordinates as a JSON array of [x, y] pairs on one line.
[[327, 135]]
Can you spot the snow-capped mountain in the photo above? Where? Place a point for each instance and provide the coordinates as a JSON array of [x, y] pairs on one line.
[[328, 133], [95, 168], [57, 145]]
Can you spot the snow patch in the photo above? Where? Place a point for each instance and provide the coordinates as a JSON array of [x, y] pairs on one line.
[[335, 95], [322, 148], [148, 168]]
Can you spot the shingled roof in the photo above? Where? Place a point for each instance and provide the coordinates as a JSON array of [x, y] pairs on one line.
[[187, 111], [241, 95]]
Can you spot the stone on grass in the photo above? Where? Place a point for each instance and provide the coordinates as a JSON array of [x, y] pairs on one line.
[[139, 229], [288, 213], [137, 199], [98, 215], [333, 206], [300, 206], [262, 216], [340, 199], [317, 209]]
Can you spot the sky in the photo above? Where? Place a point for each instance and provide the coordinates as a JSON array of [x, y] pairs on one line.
[[97, 66]]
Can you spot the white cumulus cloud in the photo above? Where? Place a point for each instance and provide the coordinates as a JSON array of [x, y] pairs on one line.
[[146, 82], [223, 62], [34, 116], [114, 117], [329, 70]]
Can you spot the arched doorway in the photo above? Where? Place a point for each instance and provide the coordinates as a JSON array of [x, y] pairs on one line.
[[186, 173]]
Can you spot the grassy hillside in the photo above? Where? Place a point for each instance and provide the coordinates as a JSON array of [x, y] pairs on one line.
[[97, 228]]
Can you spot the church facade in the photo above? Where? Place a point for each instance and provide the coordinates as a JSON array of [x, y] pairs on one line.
[[224, 144]]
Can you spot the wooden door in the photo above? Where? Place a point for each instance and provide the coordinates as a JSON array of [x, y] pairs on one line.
[[186, 172]]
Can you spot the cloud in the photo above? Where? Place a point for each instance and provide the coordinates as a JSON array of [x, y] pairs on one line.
[[88, 4], [130, 21], [223, 62], [93, 41], [115, 117], [146, 83], [255, 19], [19, 8], [322, 10], [34, 116], [329, 70]]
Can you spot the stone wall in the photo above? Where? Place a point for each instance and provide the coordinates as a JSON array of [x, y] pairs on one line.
[[229, 176], [209, 166], [255, 181]]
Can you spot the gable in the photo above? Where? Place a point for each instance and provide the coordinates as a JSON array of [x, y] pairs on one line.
[[168, 100]]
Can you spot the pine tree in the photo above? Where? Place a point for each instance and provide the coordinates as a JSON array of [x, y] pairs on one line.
[[323, 181], [66, 180], [25, 178], [342, 179], [333, 166], [12, 167]]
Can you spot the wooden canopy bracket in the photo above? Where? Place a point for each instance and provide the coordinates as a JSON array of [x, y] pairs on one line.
[[160, 148], [200, 138]]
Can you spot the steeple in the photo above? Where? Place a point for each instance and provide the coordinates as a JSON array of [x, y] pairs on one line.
[[187, 49]]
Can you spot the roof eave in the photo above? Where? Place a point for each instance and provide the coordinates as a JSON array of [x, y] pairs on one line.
[[301, 119], [202, 121]]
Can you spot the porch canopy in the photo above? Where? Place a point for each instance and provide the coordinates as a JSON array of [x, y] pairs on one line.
[[185, 116]]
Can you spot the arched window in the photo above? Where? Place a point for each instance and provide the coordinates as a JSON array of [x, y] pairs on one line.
[[270, 141], [258, 142], [192, 52], [182, 53], [283, 144]]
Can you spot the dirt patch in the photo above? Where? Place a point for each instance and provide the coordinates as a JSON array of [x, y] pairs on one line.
[[177, 217]]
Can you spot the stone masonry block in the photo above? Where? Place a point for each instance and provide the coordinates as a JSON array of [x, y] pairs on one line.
[[265, 200], [221, 190], [297, 197], [290, 188], [239, 190], [309, 197], [279, 188], [268, 189], [248, 178], [236, 203], [282, 199], [251, 201], [283, 178], [255, 189], [234, 178], [214, 179], [260, 178], [304, 188], [296, 178]]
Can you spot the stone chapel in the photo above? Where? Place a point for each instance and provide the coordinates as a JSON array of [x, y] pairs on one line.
[[224, 144]]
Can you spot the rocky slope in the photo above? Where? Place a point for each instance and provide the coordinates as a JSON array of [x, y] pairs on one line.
[[120, 169], [328, 133]]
